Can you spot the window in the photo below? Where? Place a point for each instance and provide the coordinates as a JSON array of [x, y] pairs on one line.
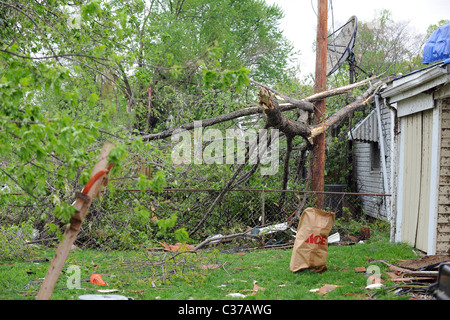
[[375, 156]]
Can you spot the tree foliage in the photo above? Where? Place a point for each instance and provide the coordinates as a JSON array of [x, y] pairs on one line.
[[385, 45], [73, 74], [76, 73]]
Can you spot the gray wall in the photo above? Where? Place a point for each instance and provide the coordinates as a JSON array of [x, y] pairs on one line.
[[368, 180]]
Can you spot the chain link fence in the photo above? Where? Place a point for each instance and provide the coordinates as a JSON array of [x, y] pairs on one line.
[[122, 215], [245, 208]]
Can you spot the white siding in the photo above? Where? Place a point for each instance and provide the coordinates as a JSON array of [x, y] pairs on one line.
[[368, 180]]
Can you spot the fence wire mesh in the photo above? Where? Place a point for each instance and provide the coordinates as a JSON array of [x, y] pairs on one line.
[[117, 215], [243, 208]]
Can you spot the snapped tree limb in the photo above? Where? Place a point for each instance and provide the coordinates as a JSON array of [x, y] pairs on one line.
[[274, 118], [305, 104], [355, 105]]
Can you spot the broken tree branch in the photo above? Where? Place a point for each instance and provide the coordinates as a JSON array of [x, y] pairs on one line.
[[276, 119], [360, 101], [320, 95], [243, 235], [410, 272], [304, 104]]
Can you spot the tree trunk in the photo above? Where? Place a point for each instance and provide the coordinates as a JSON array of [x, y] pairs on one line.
[[82, 204]]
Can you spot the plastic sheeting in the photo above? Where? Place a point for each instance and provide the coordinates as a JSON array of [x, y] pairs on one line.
[[438, 45]]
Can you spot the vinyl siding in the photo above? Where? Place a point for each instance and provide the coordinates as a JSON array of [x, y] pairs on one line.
[[368, 180]]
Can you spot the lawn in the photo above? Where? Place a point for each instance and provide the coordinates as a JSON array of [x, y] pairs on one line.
[[259, 274]]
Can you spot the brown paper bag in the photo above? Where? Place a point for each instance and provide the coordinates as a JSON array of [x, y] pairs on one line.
[[311, 242]]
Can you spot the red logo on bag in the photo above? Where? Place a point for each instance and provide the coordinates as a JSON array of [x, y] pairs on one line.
[[317, 240]]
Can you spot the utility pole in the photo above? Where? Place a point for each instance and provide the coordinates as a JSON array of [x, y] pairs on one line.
[[318, 153]]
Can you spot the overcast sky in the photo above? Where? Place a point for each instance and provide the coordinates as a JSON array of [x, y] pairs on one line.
[[300, 21]]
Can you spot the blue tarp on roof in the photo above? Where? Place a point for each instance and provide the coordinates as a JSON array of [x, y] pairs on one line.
[[438, 45]]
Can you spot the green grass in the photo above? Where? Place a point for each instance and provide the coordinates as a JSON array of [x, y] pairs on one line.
[[137, 274]]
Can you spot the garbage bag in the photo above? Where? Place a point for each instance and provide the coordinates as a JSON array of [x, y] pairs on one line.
[[311, 242]]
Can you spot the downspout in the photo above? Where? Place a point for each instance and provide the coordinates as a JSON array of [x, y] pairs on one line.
[[382, 154]]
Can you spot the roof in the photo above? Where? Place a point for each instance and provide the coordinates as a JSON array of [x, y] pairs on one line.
[[401, 88], [417, 81], [366, 130], [440, 63]]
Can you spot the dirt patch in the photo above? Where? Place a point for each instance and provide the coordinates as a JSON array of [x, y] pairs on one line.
[[423, 262]]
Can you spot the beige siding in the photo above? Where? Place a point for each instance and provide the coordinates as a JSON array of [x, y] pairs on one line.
[[412, 175], [417, 174], [443, 220], [425, 180]]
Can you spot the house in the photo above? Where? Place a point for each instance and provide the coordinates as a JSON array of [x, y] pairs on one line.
[[402, 148], [371, 175]]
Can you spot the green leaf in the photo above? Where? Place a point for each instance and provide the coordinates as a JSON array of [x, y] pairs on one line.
[[93, 98], [181, 235]]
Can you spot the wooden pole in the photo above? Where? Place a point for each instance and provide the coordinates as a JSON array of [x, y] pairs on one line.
[[318, 152], [82, 204]]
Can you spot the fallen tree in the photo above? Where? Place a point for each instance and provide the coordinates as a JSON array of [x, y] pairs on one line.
[[305, 104], [275, 118]]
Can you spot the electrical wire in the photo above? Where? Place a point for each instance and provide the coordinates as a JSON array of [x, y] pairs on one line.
[[312, 6]]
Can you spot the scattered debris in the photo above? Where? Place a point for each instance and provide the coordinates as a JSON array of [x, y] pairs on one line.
[[214, 239], [107, 290], [209, 266], [177, 247], [360, 269], [348, 239], [375, 286], [416, 277], [399, 270], [236, 295], [334, 238], [425, 263], [271, 229], [425, 279], [365, 233], [326, 288], [97, 279], [257, 288]]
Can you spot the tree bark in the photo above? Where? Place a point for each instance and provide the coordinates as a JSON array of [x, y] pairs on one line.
[[276, 119], [82, 204], [360, 101]]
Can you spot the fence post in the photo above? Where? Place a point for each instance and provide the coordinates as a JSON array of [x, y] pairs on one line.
[[263, 209]]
